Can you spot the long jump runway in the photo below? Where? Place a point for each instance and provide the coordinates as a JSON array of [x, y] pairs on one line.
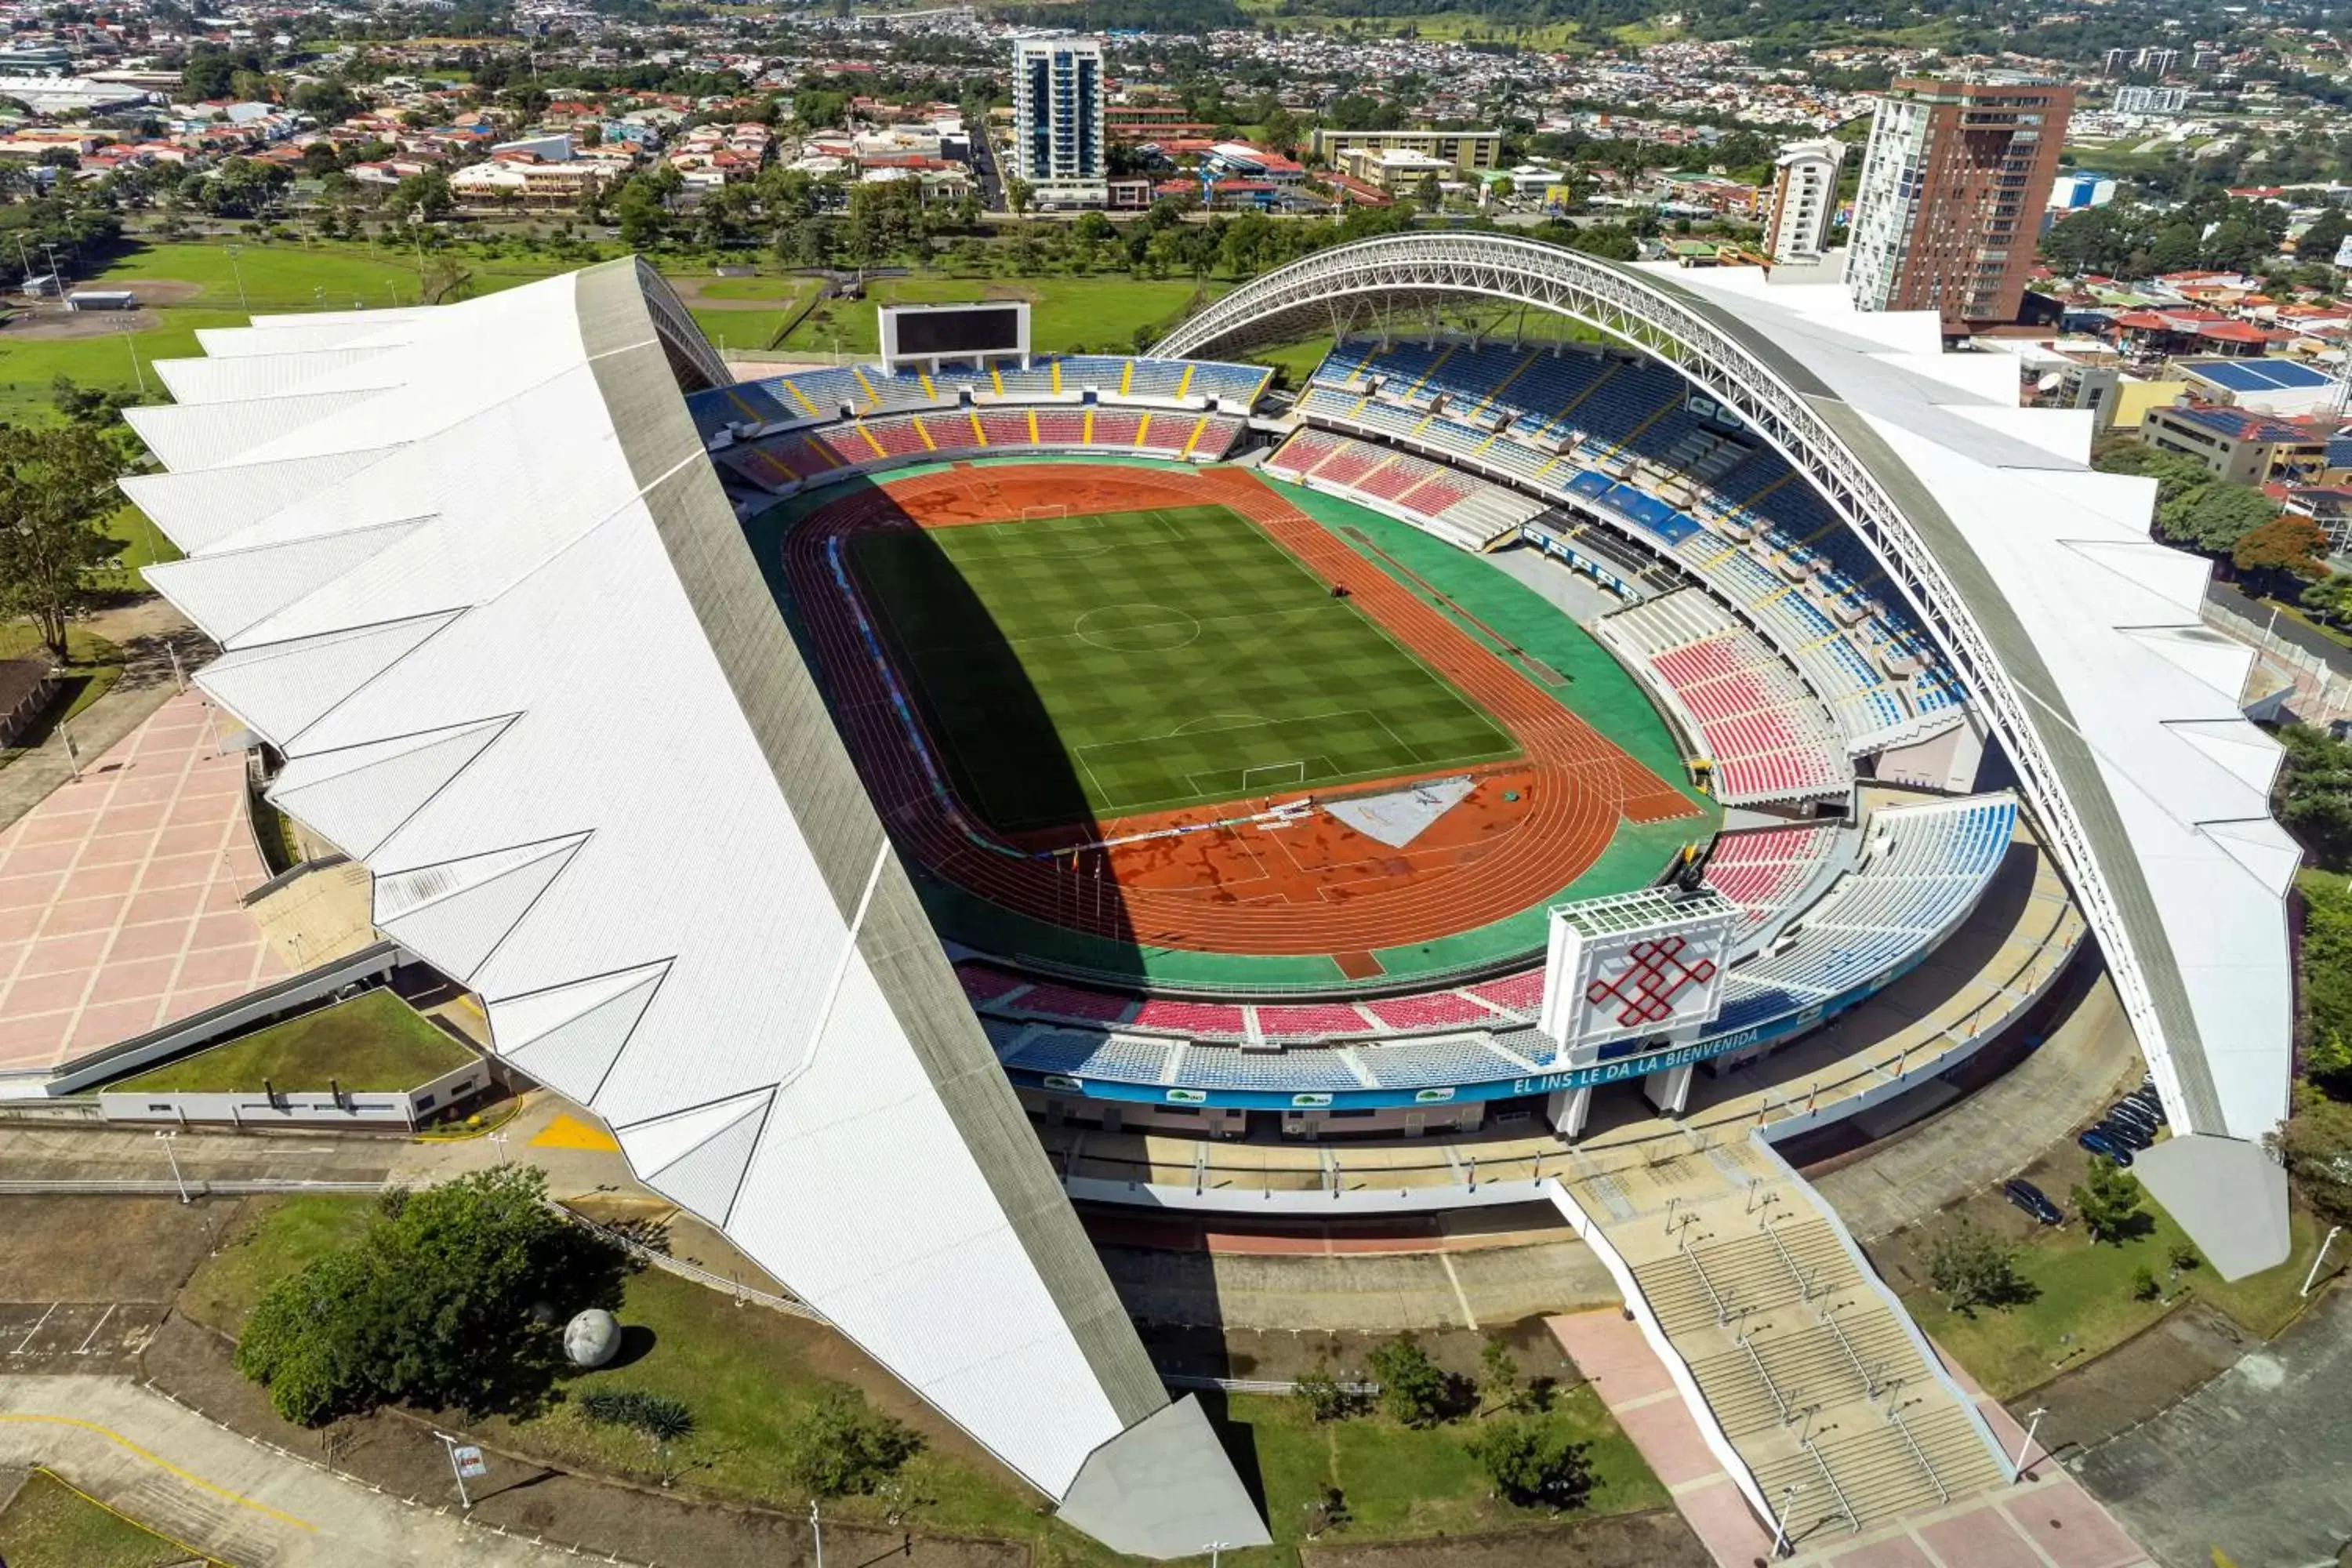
[[1317, 889]]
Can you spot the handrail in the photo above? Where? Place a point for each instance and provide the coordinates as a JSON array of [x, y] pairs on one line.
[[1943, 1493], [1721, 1311], [1756, 1363], [1828, 1479], [1837, 1331]]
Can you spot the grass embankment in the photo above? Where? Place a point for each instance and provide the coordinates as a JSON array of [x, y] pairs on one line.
[[2081, 1300], [374, 1043], [1099, 313], [746, 1374], [48, 1525]]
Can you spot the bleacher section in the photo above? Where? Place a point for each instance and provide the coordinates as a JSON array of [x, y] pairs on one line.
[[1442, 500], [780, 465], [1765, 869], [1922, 870], [1919, 873], [825, 393], [1766, 734], [1613, 435]]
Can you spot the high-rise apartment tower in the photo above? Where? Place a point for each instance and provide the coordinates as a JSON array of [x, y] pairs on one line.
[[1953, 184], [1057, 121], [1803, 203]]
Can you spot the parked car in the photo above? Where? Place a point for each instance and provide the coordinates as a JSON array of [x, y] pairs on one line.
[[2126, 1133], [2033, 1201], [2132, 1113], [2151, 1101], [2097, 1143]]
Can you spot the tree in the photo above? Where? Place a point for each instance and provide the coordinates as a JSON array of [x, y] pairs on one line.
[[2315, 1142], [2294, 546], [2215, 516], [1319, 1392], [1498, 1377], [2143, 1285], [1533, 1462], [1017, 194], [1973, 1269], [2316, 806], [447, 280], [452, 1298], [1413, 1389], [2108, 1201], [56, 490], [841, 1447], [425, 194], [1280, 128]]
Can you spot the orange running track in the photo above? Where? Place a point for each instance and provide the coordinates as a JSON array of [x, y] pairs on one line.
[[1318, 888]]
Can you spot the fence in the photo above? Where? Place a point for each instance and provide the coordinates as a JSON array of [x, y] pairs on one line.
[[2321, 691]]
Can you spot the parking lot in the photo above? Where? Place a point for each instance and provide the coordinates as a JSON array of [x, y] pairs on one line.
[[76, 1336]]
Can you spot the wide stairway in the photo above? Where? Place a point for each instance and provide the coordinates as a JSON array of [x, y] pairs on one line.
[[1803, 1359]]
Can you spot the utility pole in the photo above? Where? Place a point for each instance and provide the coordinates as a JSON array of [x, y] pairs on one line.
[[177, 1180], [816, 1527]]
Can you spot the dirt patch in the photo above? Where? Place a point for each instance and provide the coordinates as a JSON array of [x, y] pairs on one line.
[[50, 325], [105, 1249], [1659, 1540], [401, 1455]]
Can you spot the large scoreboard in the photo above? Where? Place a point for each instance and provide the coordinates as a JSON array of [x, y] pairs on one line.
[[1635, 969], [928, 334]]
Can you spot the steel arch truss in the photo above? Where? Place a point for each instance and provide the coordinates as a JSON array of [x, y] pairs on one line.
[[1785, 403]]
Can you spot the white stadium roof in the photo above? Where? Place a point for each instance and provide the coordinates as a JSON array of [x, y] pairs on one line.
[[475, 579], [2079, 637], [473, 576]]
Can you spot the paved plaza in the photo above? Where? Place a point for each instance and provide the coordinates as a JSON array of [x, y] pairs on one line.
[[120, 895]]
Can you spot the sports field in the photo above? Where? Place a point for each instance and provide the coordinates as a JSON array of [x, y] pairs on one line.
[[1107, 665]]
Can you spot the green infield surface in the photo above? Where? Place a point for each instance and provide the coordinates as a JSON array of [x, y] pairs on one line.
[[1080, 668]]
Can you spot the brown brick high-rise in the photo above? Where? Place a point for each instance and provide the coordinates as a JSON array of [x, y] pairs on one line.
[[1953, 185]]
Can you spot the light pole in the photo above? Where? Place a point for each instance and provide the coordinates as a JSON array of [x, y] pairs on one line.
[[1781, 1524], [1216, 1553], [2312, 1277], [816, 1527], [130, 342], [499, 1138], [2032, 1421], [234, 251], [177, 1180]]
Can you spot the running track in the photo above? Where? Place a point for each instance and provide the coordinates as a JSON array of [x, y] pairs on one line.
[[1578, 784]]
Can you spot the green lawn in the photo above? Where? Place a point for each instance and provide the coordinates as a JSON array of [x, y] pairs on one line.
[[374, 1043], [2084, 1305], [1172, 657], [1099, 313], [289, 276], [734, 330], [50, 1525], [280, 1236], [746, 1373]]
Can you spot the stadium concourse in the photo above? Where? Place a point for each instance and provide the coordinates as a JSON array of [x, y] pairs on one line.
[[746, 880]]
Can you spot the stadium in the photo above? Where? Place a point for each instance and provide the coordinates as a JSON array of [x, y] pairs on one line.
[[902, 798]]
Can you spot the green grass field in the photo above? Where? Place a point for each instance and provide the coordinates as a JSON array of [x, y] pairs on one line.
[[374, 1042], [1172, 657], [48, 1525]]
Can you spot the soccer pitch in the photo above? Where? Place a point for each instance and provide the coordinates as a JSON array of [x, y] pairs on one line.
[[1102, 665]]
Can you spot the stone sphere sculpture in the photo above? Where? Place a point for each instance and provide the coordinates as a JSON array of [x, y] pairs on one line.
[[591, 1339]]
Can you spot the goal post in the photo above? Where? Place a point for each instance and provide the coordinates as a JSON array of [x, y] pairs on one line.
[[1274, 775], [1029, 513]]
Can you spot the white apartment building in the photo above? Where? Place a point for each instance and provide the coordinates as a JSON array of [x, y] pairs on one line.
[[1803, 203], [1057, 121]]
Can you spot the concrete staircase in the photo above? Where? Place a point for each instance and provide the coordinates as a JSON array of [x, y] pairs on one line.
[[1803, 1363]]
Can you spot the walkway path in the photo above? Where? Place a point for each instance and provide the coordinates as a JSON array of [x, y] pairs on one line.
[[208, 1488], [148, 632]]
